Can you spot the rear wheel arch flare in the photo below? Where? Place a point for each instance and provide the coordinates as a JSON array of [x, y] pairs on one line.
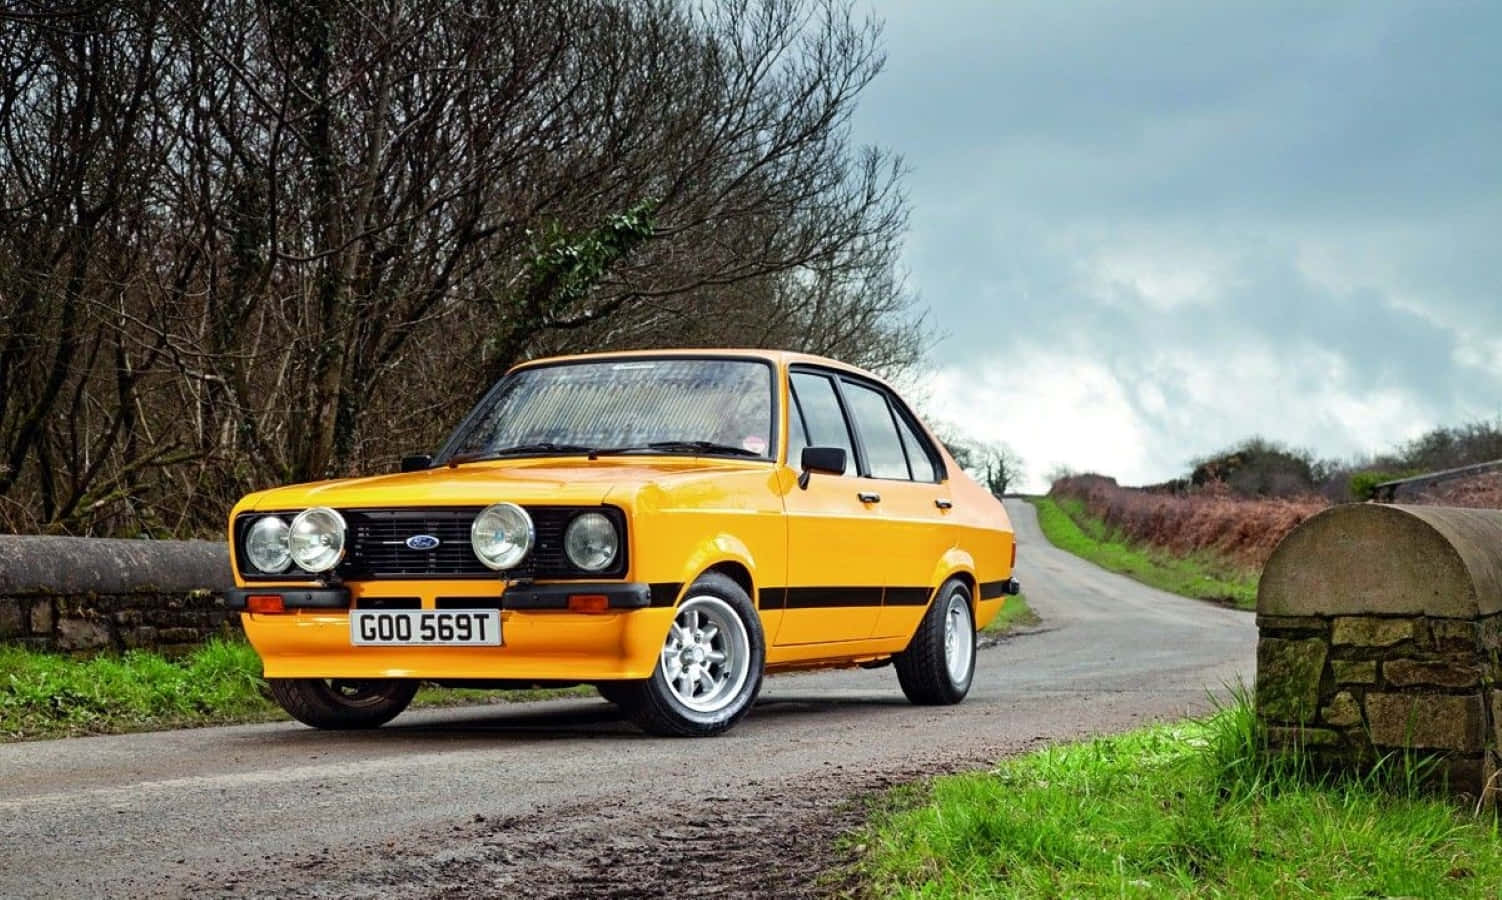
[[965, 578]]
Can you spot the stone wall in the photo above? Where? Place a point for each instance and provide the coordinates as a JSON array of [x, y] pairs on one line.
[[91, 595], [1381, 630]]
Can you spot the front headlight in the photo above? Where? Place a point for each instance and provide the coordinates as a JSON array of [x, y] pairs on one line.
[[316, 539], [501, 535], [591, 542], [266, 547]]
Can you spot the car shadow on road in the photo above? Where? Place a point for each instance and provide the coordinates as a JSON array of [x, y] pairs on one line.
[[463, 727]]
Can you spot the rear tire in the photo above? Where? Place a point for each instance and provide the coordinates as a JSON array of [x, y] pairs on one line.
[[939, 663], [710, 667], [343, 704]]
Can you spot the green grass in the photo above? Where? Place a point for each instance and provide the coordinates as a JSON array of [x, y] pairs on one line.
[[1068, 527], [45, 695], [1192, 809], [1015, 613]]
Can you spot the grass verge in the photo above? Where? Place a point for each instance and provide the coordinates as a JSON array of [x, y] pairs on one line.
[[1015, 613], [1068, 527], [45, 695], [1192, 809]]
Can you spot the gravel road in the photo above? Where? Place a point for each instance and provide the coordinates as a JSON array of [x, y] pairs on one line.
[[560, 799]]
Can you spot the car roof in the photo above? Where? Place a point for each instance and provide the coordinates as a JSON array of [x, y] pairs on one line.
[[782, 358]]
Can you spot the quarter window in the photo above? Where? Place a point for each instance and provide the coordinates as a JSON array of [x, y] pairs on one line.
[[884, 454], [815, 396], [922, 460]]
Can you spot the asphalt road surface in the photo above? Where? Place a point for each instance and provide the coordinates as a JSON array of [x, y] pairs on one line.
[[561, 799]]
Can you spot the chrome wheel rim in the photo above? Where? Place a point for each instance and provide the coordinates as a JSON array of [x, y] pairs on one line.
[[959, 638], [706, 658]]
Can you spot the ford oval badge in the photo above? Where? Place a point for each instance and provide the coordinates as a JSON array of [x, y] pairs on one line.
[[422, 542]]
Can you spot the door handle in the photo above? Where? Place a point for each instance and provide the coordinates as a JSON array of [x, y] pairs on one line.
[[943, 503], [869, 497]]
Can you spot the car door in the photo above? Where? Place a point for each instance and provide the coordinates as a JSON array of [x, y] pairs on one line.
[[834, 583], [905, 474]]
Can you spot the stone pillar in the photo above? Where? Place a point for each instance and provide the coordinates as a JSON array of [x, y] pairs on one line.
[[1379, 630]]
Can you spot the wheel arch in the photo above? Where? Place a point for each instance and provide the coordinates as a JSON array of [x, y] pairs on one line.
[[957, 565], [727, 555], [737, 572]]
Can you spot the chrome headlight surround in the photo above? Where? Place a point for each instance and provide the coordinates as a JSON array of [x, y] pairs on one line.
[[592, 542], [267, 549], [502, 535], [316, 539]]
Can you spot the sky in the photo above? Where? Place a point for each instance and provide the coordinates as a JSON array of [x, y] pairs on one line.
[[1147, 230]]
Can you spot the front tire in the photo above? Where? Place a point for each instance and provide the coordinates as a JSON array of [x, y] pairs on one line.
[[343, 704], [621, 693], [939, 663], [710, 667]]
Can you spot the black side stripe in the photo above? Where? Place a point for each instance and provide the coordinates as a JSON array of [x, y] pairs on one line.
[[841, 597], [908, 596], [665, 593], [990, 590], [825, 597]]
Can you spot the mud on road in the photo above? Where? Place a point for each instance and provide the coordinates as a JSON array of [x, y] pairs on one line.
[[788, 842], [562, 799]]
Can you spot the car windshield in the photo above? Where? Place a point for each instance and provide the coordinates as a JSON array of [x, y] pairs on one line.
[[705, 406]]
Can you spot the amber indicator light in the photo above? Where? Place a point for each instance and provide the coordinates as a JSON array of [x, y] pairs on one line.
[[265, 604], [588, 603]]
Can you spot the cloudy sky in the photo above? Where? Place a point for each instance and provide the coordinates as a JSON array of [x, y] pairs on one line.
[[1150, 229]]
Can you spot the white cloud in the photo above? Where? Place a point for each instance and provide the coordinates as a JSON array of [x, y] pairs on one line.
[[1155, 229], [1068, 413]]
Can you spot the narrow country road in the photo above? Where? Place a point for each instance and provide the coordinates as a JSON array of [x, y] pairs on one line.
[[562, 799]]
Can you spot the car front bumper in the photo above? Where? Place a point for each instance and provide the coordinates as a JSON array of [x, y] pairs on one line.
[[542, 639]]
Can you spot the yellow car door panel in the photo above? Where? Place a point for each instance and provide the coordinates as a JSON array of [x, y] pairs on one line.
[[912, 524], [835, 569]]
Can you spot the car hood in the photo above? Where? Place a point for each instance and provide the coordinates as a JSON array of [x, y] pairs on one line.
[[576, 481]]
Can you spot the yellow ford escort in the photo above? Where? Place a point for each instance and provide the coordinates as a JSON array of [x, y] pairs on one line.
[[668, 526]]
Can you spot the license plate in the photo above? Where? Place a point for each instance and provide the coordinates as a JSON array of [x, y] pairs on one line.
[[425, 627]]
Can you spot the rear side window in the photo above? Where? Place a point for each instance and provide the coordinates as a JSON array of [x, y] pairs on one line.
[[884, 454], [814, 395]]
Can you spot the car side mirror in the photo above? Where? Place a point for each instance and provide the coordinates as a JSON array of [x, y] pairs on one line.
[[830, 460], [417, 463]]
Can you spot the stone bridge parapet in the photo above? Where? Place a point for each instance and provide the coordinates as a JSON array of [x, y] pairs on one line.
[[92, 594]]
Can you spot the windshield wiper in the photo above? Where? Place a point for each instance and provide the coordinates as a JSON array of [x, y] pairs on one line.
[[676, 447], [517, 450]]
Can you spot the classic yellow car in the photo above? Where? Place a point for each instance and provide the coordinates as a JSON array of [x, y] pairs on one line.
[[666, 525]]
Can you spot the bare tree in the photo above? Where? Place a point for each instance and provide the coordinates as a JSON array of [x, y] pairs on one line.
[[245, 242], [992, 463]]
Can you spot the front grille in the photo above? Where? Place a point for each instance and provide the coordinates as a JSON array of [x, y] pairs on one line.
[[377, 544]]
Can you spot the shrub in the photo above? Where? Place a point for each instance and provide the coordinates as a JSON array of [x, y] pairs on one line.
[[1363, 485], [1241, 530]]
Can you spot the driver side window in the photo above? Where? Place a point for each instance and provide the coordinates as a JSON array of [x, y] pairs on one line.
[[823, 418]]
